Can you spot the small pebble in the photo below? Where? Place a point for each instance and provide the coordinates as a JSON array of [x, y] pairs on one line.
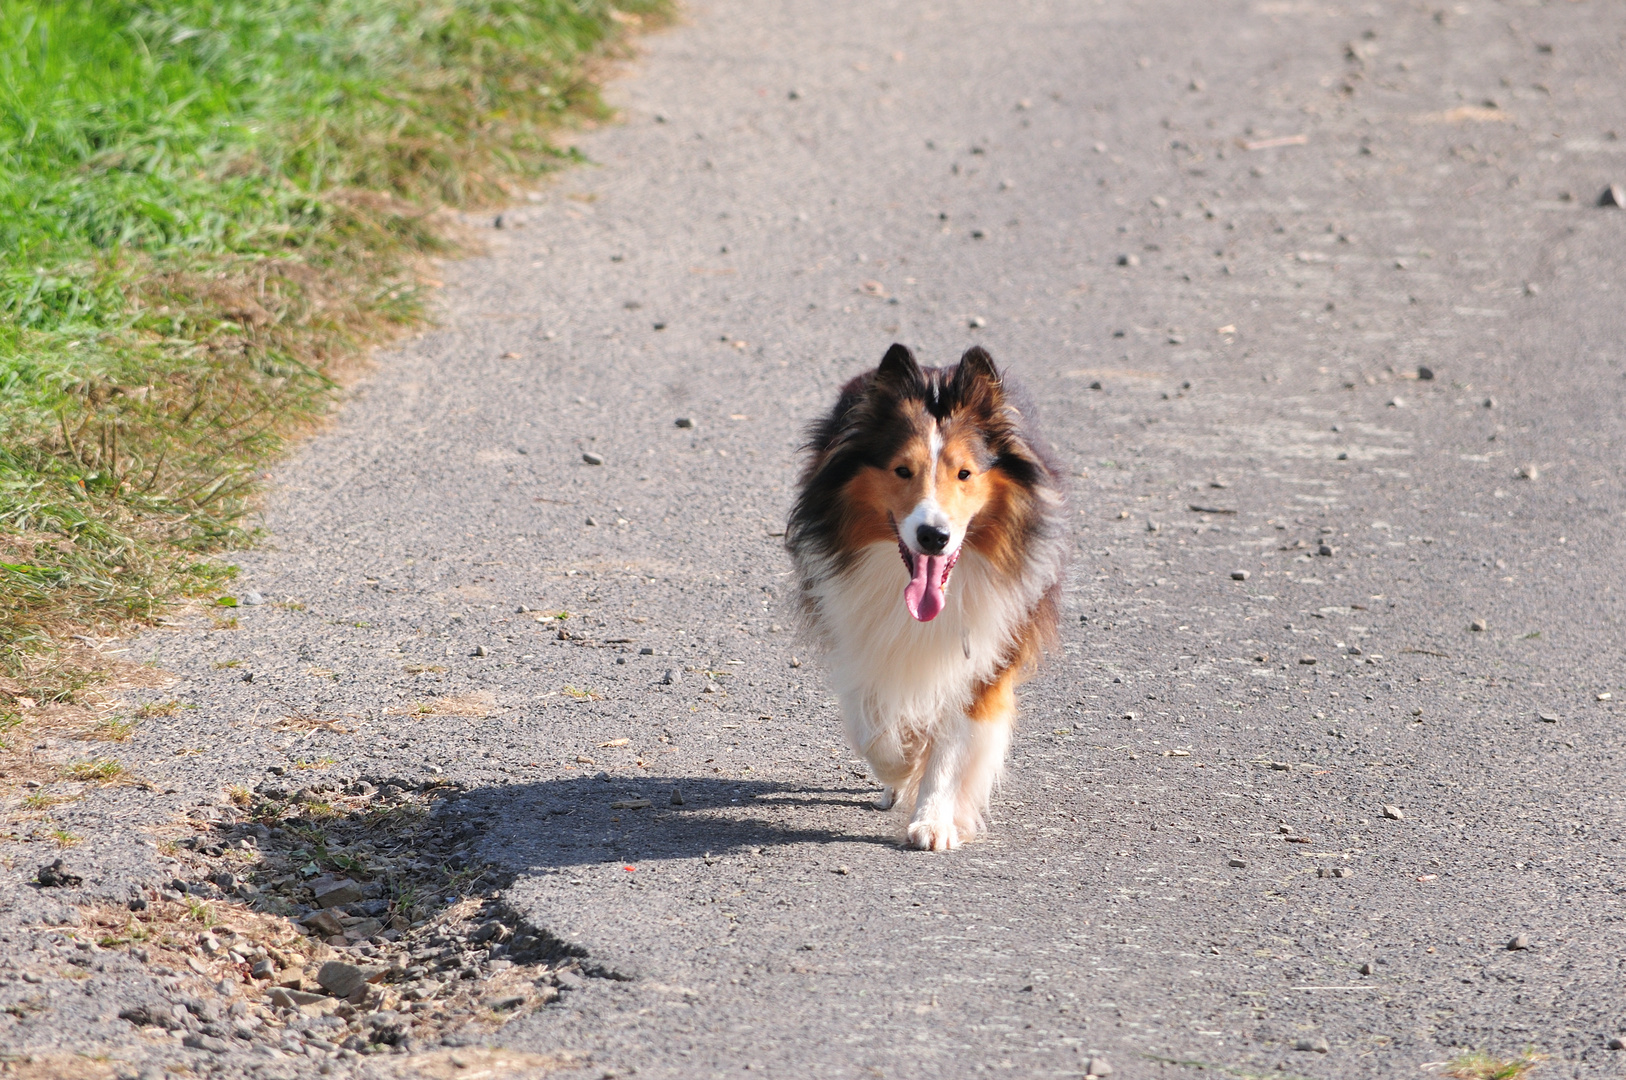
[[1547, 717], [795, 661], [1326, 549], [592, 520], [592, 458], [1237, 864], [479, 650], [1308, 661], [1334, 872], [1617, 1044], [843, 870], [672, 677], [1519, 942], [1479, 626], [1366, 969], [677, 797], [684, 421], [1317, 1046], [976, 322], [1394, 812], [1239, 575], [1426, 374], [1129, 260], [1606, 696], [1529, 472], [1614, 195], [1099, 1066], [252, 599]]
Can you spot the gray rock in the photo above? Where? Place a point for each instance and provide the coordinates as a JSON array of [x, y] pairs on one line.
[[1317, 1046], [252, 599], [1617, 1044], [1239, 575], [1519, 942], [684, 422], [1614, 195], [592, 458], [1237, 864], [343, 980], [1547, 717], [205, 1042], [333, 892], [1099, 1066], [672, 677], [1394, 812]]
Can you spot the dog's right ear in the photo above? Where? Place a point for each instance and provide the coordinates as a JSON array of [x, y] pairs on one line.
[[898, 371]]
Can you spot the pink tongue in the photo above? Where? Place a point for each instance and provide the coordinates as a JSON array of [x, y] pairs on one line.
[[923, 596]]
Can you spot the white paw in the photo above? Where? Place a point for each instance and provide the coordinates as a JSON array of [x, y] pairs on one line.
[[887, 799], [934, 833]]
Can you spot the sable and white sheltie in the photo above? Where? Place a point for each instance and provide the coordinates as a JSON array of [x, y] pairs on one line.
[[942, 467]]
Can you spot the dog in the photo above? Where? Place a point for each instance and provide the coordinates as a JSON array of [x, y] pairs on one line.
[[928, 541]]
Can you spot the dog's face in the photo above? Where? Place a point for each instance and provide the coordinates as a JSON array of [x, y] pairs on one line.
[[932, 478]]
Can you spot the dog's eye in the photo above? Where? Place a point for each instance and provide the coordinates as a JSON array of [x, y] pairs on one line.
[[965, 474], [903, 471]]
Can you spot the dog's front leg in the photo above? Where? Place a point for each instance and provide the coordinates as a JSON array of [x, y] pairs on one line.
[[967, 758], [933, 826]]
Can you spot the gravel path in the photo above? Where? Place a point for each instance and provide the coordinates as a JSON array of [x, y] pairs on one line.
[[1323, 315]]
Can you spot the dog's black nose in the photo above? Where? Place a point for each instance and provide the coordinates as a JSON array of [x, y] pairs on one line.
[[932, 540]]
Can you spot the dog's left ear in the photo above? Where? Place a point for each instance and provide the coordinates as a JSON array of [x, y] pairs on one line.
[[976, 373]]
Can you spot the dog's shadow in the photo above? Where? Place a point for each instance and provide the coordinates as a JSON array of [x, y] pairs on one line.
[[584, 821]]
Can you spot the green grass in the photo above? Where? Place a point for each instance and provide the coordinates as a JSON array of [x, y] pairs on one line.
[[1478, 1065], [208, 208]]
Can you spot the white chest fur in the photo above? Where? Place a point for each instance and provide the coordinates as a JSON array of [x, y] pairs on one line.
[[902, 672]]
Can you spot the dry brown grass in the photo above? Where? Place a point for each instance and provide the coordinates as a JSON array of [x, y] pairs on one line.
[[480, 703]]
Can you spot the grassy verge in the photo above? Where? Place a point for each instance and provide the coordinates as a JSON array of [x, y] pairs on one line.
[[208, 208]]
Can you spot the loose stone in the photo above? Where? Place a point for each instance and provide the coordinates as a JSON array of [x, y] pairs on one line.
[[1317, 1046], [1519, 942], [1239, 575], [1394, 812], [341, 979], [592, 458]]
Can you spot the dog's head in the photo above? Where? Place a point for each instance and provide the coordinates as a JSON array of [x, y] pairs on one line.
[[934, 458]]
